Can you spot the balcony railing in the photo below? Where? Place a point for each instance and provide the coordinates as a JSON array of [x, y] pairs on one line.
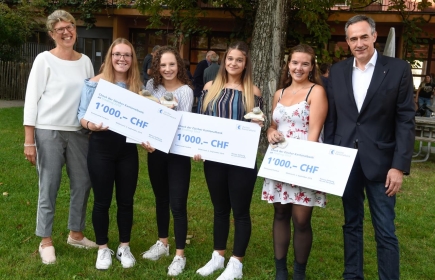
[[384, 6], [380, 5]]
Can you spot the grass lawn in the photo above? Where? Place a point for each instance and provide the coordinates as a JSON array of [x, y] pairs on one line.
[[18, 244]]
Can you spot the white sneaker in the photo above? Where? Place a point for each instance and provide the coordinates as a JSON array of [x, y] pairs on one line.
[[216, 262], [232, 271], [126, 258], [156, 251], [104, 259], [177, 266]]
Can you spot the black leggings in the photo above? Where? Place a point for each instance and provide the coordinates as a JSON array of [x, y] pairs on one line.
[[112, 160], [231, 187], [170, 179]]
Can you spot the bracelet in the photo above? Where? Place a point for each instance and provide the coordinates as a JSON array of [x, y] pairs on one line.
[[87, 125], [29, 145]]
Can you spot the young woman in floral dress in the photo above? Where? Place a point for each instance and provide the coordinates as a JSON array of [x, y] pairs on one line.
[[299, 111]]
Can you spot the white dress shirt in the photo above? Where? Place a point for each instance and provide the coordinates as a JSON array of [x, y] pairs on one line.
[[361, 80]]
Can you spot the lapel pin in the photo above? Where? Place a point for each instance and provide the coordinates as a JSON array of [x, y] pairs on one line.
[[384, 72]]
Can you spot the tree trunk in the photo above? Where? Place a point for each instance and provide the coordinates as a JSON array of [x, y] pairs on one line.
[[267, 51]]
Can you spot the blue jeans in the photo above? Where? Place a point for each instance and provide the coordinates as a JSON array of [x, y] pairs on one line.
[[424, 101], [382, 214]]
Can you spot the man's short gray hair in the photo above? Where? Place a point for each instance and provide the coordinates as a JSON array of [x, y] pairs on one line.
[[359, 18], [156, 47], [214, 57]]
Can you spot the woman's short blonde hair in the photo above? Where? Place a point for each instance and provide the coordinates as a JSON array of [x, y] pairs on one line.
[[58, 16]]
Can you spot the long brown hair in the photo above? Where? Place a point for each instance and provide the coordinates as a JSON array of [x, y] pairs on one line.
[[155, 66], [222, 78], [286, 78], [134, 82]]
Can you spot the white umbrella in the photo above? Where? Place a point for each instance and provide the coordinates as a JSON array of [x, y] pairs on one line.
[[390, 46]]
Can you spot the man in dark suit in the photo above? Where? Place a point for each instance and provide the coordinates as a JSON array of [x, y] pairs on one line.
[[198, 82], [371, 109]]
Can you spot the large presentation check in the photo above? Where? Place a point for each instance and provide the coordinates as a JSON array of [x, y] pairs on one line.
[[217, 139], [132, 115], [309, 164]]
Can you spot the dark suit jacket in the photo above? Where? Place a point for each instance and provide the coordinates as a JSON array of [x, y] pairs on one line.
[[197, 77], [384, 128], [324, 82]]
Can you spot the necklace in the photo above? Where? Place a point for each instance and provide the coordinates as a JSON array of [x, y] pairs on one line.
[[235, 85], [296, 91]]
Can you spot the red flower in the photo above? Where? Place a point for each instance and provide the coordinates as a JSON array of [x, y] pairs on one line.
[[307, 199], [265, 195], [271, 197], [285, 195], [297, 197]]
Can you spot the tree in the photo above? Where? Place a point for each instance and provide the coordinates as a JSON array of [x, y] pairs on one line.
[[268, 47], [16, 26]]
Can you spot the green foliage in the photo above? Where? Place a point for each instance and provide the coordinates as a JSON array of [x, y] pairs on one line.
[[412, 26], [308, 20], [183, 17], [86, 9], [311, 16], [16, 25], [244, 12]]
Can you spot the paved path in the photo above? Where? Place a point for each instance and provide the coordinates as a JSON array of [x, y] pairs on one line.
[[11, 103]]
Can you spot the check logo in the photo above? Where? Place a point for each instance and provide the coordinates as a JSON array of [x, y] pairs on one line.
[[119, 254]]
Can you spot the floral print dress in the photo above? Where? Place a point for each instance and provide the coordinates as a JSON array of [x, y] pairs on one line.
[[292, 122]]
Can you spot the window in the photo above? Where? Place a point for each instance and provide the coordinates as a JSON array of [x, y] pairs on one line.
[[199, 45], [144, 41], [425, 62]]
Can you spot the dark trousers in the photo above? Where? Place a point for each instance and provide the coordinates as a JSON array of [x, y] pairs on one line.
[[231, 187], [170, 180], [112, 161], [382, 214]]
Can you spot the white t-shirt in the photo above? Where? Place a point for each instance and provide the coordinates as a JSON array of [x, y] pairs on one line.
[[54, 90]]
